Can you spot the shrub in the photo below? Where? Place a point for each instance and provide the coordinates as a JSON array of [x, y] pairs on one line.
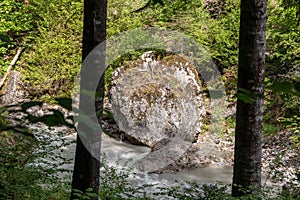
[[53, 60], [20, 180], [18, 24]]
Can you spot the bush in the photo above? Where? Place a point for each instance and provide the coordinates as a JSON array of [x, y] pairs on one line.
[[53, 60], [24, 173], [19, 180], [18, 24]]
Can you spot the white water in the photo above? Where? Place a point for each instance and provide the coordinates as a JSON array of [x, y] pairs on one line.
[[127, 155]]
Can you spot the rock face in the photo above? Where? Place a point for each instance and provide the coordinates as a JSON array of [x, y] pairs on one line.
[[154, 100], [12, 93]]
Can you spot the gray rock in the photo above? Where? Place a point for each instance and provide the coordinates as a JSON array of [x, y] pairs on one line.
[[168, 154], [153, 100], [12, 93]]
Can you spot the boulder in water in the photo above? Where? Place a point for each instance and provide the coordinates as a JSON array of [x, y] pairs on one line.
[[156, 99]]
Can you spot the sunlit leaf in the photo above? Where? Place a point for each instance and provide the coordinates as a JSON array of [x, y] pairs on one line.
[[244, 98], [246, 95], [245, 91]]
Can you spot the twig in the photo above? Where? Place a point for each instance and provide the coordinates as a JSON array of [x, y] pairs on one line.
[[13, 62]]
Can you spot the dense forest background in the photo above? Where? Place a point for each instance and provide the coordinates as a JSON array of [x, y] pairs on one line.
[[50, 34]]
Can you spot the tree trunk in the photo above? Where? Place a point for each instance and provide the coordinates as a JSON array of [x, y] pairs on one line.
[[248, 136], [86, 166]]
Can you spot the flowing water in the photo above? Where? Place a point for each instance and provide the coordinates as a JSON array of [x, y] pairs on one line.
[[122, 155]]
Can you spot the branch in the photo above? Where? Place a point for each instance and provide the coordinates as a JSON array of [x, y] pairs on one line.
[[13, 62]]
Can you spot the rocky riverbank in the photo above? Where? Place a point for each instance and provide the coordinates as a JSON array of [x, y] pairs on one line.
[[280, 158]]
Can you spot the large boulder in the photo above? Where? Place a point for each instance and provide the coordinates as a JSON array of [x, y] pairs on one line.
[[156, 99]]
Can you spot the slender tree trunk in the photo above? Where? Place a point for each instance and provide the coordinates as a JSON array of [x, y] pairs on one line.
[[86, 166], [248, 138]]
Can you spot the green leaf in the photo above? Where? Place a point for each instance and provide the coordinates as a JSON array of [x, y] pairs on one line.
[[30, 104], [65, 103], [245, 91], [244, 98], [32, 119], [296, 86], [245, 95], [5, 39], [295, 93], [56, 119], [89, 190], [284, 87], [51, 120]]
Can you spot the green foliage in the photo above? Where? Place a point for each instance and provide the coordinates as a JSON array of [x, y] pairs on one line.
[[79, 195], [223, 35], [17, 25], [282, 63], [270, 129], [51, 31], [220, 36], [5, 39], [293, 124], [53, 60], [115, 185], [246, 95], [20, 180], [292, 4], [120, 16], [283, 42]]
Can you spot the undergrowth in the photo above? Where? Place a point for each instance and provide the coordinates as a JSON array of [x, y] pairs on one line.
[[24, 173]]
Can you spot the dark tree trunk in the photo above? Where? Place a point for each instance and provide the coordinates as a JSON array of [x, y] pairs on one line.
[[86, 166], [248, 138]]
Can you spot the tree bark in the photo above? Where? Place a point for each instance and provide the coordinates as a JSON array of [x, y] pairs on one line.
[[248, 133], [87, 166]]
